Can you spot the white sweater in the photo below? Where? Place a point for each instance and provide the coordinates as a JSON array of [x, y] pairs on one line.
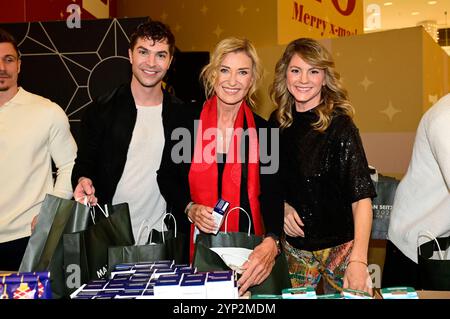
[[422, 200], [33, 130]]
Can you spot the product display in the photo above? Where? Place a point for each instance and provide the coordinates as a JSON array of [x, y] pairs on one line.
[[160, 280]]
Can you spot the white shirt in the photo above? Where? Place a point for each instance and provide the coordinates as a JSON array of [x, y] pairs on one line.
[[422, 200], [138, 185], [33, 131]]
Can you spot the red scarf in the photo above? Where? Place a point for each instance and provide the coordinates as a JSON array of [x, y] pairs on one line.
[[203, 174]]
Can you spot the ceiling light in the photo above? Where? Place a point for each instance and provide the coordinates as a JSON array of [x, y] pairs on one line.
[[415, 13], [388, 4], [432, 2]]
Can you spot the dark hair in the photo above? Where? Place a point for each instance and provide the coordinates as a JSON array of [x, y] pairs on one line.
[[7, 37], [156, 31]]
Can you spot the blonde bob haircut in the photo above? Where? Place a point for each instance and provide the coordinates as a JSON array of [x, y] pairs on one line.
[[334, 98], [209, 73]]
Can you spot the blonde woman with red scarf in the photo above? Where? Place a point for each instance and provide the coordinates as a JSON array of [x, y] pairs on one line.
[[216, 168]]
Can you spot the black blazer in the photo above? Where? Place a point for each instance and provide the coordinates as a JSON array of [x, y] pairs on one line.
[[104, 137]]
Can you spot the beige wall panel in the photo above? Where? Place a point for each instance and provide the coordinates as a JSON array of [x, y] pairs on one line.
[[383, 74], [199, 24], [389, 152], [435, 70], [269, 57]]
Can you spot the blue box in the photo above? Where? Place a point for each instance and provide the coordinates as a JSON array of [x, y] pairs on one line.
[[167, 286], [219, 211], [193, 286], [221, 285], [96, 284], [130, 293]]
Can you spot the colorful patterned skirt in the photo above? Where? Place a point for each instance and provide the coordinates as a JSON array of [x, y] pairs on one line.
[[307, 268]]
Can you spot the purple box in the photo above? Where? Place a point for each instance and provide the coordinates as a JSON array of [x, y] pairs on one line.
[[96, 284]]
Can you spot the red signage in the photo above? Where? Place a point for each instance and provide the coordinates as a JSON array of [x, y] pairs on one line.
[[50, 10]]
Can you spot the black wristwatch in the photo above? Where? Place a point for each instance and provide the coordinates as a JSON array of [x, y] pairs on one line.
[[277, 241]]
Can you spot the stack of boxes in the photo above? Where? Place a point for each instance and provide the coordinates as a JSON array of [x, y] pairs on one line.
[[222, 285], [160, 280]]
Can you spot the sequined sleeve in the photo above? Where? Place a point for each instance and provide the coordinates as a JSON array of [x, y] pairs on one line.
[[354, 167]]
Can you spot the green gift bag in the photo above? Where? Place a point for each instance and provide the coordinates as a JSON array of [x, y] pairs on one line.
[[206, 259], [89, 248], [175, 243], [385, 187], [434, 263], [44, 252], [161, 245]]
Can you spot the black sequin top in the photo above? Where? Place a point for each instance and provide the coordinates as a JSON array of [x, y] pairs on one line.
[[323, 174]]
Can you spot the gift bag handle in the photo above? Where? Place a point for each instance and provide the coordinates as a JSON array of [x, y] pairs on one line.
[[144, 225], [428, 234], [373, 173], [162, 228], [92, 211], [248, 217]]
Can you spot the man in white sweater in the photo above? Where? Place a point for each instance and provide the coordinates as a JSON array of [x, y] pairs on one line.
[[33, 132], [422, 200]]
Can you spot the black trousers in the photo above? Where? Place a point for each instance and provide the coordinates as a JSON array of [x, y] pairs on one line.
[[11, 253], [398, 269]]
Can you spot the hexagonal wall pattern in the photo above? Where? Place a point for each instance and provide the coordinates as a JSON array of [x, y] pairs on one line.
[[74, 66]]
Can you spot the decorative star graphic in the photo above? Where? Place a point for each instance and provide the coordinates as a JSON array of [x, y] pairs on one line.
[[177, 28], [218, 31], [366, 83], [204, 10], [164, 16], [81, 95], [370, 60], [257, 10], [241, 9], [390, 111], [432, 98]]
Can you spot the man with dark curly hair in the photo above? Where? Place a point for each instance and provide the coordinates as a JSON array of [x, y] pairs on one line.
[[122, 134]]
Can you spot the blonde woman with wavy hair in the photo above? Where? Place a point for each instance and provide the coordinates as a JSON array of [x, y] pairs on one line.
[[230, 82], [328, 190], [334, 96]]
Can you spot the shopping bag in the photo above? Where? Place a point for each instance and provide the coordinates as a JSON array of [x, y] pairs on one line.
[[206, 259], [385, 187], [161, 245], [44, 251], [88, 249], [434, 262], [175, 243]]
